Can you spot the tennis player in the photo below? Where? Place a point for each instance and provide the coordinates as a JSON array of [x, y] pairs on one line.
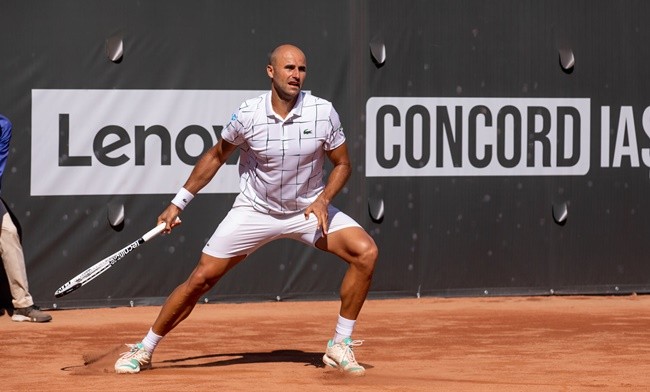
[[284, 137]]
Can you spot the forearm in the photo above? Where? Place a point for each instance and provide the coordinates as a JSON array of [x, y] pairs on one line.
[[336, 181], [207, 166], [202, 173], [204, 170]]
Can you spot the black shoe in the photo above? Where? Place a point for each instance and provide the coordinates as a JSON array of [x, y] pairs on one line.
[[31, 313]]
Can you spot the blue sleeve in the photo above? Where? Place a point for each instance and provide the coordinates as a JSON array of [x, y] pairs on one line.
[[5, 138]]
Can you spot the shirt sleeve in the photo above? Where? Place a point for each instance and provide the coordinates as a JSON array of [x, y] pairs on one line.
[[5, 138], [232, 132], [336, 136]]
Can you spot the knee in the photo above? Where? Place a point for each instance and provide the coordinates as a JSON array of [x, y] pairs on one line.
[[199, 282], [368, 257]]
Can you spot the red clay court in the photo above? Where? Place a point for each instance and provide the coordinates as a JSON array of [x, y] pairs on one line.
[[580, 343]]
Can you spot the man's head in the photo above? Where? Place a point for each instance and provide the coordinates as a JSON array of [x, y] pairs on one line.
[[287, 69]]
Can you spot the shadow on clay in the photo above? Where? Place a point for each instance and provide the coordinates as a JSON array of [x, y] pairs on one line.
[[226, 359], [278, 356], [101, 361]]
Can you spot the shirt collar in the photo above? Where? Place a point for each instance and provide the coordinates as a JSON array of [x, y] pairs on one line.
[[296, 111]]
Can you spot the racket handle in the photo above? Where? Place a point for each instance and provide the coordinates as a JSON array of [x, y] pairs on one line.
[[154, 232]]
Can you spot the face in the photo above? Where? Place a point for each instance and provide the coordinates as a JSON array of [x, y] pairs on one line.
[[287, 70]]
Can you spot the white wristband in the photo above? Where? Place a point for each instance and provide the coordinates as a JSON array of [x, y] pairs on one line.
[[182, 198]]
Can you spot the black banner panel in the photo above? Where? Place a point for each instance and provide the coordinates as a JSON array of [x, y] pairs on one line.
[[498, 148]]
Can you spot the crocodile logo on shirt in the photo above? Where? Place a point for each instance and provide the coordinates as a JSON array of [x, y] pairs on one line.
[[306, 132]]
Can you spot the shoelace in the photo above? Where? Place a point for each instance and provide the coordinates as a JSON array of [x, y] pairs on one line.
[[132, 352], [349, 351]]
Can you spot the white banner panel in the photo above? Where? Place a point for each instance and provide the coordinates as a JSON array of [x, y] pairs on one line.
[[477, 136], [101, 142]]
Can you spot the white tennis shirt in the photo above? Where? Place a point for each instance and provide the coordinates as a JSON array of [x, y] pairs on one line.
[[281, 160]]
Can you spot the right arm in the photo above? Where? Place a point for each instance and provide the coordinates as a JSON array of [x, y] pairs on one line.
[[5, 138], [204, 170]]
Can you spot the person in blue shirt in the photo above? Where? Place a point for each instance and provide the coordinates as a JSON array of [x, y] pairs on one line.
[[11, 250]]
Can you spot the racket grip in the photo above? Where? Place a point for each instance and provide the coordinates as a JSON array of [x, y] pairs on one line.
[[154, 232]]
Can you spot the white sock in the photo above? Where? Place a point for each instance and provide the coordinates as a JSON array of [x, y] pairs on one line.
[[151, 341], [344, 329]]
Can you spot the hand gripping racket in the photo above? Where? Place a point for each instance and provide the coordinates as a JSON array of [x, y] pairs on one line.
[[101, 266]]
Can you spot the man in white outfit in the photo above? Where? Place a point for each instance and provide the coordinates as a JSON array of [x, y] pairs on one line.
[[284, 137]]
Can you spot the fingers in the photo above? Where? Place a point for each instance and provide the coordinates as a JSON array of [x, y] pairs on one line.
[[321, 217], [175, 222], [324, 224], [170, 218], [170, 224]]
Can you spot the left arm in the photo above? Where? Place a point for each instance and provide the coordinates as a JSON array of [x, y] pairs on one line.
[[335, 182]]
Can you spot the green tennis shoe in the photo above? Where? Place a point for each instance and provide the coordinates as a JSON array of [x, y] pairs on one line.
[[341, 356], [134, 360]]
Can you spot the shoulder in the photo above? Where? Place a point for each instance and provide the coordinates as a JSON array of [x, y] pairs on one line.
[[309, 99], [321, 106], [248, 110], [253, 104]]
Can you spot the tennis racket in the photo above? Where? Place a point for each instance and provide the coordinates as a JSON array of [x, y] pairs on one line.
[[103, 265]]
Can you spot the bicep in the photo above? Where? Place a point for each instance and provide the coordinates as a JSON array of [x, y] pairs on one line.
[[223, 150], [208, 165], [215, 157], [339, 155]]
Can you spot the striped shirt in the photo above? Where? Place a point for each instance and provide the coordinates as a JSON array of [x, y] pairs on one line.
[[281, 160]]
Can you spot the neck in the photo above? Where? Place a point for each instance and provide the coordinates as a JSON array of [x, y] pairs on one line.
[[282, 106]]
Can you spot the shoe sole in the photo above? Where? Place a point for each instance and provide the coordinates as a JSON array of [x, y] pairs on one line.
[[127, 370], [19, 318], [329, 361], [332, 363]]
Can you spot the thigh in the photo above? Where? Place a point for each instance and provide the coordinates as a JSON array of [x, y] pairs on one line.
[[348, 243], [9, 238], [307, 231], [240, 233], [8, 224], [210, 269]]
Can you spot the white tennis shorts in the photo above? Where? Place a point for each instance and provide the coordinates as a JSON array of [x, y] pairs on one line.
[[245, 229]]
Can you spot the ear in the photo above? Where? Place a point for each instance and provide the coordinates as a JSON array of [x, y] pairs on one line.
[[269, 71]]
